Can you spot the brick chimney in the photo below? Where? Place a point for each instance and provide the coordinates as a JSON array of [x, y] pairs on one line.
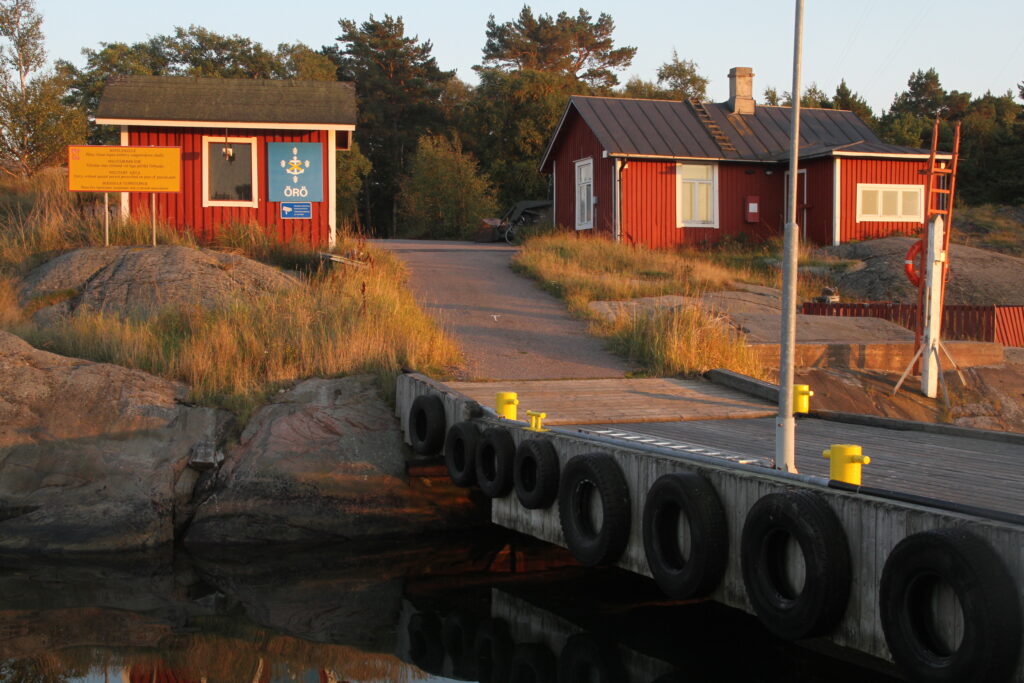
[[741, 90]]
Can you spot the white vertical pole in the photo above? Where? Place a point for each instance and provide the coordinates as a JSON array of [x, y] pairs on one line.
[[332, 187], [106, 219], [785, 425], [152, 214], [930, 368], [125, 201]]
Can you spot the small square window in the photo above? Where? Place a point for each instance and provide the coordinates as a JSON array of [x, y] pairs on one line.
[[229, 172]]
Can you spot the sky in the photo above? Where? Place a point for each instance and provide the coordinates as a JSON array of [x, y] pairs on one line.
[[874, 44]]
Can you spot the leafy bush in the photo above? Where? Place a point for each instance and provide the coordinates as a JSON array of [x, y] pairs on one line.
[[444, 196]]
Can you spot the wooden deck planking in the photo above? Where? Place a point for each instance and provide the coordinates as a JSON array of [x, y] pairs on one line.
[[621, 400], [963, 470]]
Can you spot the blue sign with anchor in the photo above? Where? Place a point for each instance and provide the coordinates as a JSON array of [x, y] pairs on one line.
[[295, 172], [296, 210]]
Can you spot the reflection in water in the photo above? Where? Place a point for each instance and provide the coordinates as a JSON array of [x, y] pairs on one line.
[[436, 610]]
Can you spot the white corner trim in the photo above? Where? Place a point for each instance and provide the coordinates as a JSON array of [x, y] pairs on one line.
[[837, 207], [332, 188], [126, 205], [207, 202]]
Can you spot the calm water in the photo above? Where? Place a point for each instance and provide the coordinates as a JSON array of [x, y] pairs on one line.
[[436, 610]]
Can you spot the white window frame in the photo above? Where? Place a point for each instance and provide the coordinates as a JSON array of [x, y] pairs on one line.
[[680, 223], [901, 217], [589, 224], [207, 202]]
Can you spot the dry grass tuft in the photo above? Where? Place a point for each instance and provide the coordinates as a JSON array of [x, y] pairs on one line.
[[686, 341], [345, 320]]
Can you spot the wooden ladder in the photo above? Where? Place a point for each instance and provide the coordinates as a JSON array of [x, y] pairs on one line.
[[713, 129], [938, 201]]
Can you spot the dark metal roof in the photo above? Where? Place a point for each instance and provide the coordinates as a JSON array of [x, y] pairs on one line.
[[174, 98], [671, 129]]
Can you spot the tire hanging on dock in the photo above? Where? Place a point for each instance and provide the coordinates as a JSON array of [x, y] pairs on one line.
[[458, 634], [493, 462], [959, 561], [493, 650], [585, 659], [425, 647], [427, 424], [584, 477], [535, 474], [460, 452], [675, 500], [532, 662], [775, 522]]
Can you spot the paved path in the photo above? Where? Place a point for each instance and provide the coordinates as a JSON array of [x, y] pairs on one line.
[[508, 328]]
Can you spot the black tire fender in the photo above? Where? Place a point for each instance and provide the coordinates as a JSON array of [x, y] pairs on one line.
[[460, 452], [493, 462], [458, 634], [425, 647], [493, 650], [685, 499], [583, 477], [427, 424], [585, 659], [532, 663], [804, 517], [535, 474], [989, 599]]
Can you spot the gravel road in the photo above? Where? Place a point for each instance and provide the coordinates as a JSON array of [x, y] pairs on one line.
[[508, 328]]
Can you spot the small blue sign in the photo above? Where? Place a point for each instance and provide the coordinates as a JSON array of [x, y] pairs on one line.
[[295, 171], [296, 210]]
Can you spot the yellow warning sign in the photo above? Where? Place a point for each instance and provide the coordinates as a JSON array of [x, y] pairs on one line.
[[124, 169]]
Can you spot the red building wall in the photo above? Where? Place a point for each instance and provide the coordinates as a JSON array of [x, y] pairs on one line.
[[649, 204], [575, 143], [885, 171], [185, 209]]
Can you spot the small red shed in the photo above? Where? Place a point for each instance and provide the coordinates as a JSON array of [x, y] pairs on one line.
[[252, 150], [665, 172]]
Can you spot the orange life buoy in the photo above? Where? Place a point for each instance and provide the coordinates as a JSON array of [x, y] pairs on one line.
[[910, 262]]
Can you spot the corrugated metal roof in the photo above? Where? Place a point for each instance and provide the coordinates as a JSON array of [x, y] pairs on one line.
[[176, 98], [671, 129]]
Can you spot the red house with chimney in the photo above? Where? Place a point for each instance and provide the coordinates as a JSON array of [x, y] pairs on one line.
[[253, 151], [663, 173]]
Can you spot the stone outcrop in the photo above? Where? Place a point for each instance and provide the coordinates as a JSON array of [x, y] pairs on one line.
[[325, 461], [125, 281], [93, 456]]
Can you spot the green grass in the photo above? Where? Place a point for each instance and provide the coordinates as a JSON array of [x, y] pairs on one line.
[[342, 320]]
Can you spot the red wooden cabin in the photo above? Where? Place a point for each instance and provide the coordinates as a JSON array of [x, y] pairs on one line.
[[664, 173], [226, 129]]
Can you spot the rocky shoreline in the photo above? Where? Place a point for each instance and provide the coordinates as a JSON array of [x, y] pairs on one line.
[[98, 458]]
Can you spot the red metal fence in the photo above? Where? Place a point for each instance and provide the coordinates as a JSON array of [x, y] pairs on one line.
[[1001, 324]]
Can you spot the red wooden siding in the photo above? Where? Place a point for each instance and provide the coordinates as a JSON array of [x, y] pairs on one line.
[[1001, 324], [882, 171], [820, 184], [185, 209], [575, 143], [649, 204]]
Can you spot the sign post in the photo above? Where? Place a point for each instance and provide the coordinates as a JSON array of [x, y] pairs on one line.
[[124, 169]]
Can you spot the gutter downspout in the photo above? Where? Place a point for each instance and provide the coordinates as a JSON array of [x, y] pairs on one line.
[[617, 200]]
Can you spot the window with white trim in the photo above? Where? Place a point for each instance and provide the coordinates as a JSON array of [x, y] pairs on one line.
[[584, 194], [229, 172], [902, 203], [696, 196]]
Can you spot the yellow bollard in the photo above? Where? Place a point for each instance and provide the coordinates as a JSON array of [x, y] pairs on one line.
[[536, 421], [802, 398], [845, 461], [506, 404]]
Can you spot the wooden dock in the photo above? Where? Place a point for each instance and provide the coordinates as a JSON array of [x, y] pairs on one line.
[[953, 487]]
